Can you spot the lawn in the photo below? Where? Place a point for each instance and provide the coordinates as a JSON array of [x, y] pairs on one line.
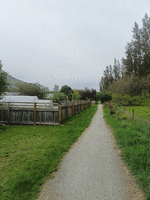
[[29, 154], [133, 138]]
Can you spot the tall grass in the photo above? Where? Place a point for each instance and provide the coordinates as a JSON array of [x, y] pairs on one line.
[[140, 111], [133, 137], [29, 154]]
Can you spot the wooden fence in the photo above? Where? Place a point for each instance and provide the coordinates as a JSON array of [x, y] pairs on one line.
[[39, 113]]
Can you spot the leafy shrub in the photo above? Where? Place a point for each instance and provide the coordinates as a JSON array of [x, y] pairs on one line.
[[137, 100], [67, 90], [121, 100], [58, 96], [88, 94], [110, 105], [122, 116], [106, 104], [75, 95], [32, 90], [105, 96], [112, 111], [127, 100]]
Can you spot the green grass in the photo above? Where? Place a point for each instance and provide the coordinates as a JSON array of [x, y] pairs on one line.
[[133, 137], [140, 111], [29, 154]]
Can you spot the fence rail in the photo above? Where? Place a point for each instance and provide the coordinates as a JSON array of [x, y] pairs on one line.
[[39, 113]]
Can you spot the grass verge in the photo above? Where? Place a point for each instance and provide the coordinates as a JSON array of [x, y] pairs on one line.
[[29, 154], [133, 137]]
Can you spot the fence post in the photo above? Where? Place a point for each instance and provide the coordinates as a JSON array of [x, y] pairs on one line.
[[133, 113], [75, 108], [82, 105], [8, 113], [78, 106], [124, 109], [67, 108], [34, 114], [59, 113], [72, 108]]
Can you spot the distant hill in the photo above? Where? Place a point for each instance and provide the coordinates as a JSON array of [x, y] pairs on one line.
[[13, 81]]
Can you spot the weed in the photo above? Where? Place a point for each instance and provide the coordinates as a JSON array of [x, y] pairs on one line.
[[112, 111]]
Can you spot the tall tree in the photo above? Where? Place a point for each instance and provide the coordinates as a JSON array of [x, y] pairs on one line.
[[67, 90], [75, 95], [56, 88], [116, 70], [145, 45], [137, 59]]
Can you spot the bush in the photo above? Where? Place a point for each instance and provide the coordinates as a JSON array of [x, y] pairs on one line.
[[112, 111], [88, 94], [137, 100], [122, 116], [127, 100], [105, 96], [67, 90], [58, 96], [32, 90], [75, 95]]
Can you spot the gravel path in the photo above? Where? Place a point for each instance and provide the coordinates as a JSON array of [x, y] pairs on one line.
[[92, 169]]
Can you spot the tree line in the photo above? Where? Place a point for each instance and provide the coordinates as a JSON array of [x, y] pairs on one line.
[[132, 76], [35, 89]]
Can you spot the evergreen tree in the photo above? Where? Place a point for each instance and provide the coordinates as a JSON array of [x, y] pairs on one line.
[[145, 45], [137, 61]]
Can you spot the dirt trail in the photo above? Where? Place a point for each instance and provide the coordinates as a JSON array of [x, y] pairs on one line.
[[92, 169]]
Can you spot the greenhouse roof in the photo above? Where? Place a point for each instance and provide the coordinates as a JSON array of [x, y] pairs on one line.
[[19, 99]]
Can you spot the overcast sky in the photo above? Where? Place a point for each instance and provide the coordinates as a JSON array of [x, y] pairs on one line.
[[66, 41]]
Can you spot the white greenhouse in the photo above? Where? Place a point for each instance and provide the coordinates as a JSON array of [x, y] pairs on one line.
[[33, 99], [27, 101]]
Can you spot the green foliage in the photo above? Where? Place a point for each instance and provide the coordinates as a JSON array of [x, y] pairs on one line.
[[138, 50], [88, 94], [131, 85], [75, 95], [58, 96], [133, 77], [105, 96], [111, 75], [3, 80], [32, 90], [56, 88], [112, 111], [127, 100], [122, 116], [67, 90]]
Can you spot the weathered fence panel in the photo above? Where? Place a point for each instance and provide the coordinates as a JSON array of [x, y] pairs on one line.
[[38, 113]]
